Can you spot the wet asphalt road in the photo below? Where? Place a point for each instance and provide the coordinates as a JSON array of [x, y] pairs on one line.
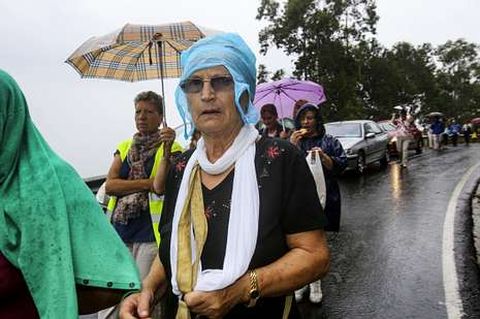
[[387, 258]]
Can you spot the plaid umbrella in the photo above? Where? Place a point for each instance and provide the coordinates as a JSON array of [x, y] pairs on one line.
[[136, 52]]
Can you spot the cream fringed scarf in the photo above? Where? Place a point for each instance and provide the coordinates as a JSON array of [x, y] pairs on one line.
[[189, 229]]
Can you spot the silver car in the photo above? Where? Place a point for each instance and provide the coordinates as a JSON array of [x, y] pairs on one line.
[[364, 142]]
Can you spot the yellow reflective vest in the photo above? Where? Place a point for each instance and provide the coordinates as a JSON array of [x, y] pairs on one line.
[[155, 201]]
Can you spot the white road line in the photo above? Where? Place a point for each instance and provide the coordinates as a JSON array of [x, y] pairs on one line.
[[450, 280]]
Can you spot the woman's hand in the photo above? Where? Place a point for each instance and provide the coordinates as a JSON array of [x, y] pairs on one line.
[[324, 157], [319, 151], [216, 304], [284, 135], [297, 136], [137, 305], [167, 136]]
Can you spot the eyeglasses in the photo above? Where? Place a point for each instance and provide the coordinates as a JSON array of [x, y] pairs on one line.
[[195, 85]]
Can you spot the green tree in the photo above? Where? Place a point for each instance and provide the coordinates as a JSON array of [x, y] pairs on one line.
[[278, 75], [262, 75], [334, 44], [403, 76], [327, 37], [458, 79]]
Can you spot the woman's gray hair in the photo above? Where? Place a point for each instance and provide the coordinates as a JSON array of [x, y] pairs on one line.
[[150, 97]]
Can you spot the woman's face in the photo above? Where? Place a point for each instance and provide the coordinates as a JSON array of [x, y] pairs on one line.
[[309, 122], [269, 119], [213, 110], [147, 118]]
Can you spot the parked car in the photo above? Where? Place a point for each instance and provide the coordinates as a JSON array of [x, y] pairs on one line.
[[364, 142], [389, 128]]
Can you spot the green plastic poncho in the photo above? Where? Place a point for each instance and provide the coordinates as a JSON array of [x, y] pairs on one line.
[[51, 226]]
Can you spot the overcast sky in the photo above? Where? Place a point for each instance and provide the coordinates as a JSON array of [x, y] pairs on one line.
[[83, 120]]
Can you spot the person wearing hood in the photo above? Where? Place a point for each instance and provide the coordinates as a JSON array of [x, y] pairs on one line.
[[59, 256], [228, 250], [310, 136], [455, 129]]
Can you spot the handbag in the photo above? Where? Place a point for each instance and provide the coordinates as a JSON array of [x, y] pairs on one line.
[[315, 164]]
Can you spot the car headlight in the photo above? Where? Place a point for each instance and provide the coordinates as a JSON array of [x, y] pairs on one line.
[[349, 151]]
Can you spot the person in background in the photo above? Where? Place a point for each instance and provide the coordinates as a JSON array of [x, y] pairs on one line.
[[272, 128], [222, 191], [455, 129], [467, 133], [59, 257], [310, 135], [396, 119], [406, 126], [298, 104], [437, 128], [428, 127], [135, 204]]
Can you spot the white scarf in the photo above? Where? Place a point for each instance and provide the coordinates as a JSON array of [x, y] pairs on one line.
[[243, 221]]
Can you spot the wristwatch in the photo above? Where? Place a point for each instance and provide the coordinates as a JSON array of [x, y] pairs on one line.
[[254, 292]]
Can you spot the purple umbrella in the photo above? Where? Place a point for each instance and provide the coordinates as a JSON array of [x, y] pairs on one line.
[[476, 121], [284, 93]]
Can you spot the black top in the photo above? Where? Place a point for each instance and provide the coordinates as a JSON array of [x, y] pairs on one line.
[[288, 204], [217, 210]]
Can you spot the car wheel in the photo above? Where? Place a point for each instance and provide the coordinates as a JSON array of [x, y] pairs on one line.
[[361, 165], [385, 159], [418, 149]]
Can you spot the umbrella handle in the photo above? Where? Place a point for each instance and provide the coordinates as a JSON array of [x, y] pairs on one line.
[[161, 50]]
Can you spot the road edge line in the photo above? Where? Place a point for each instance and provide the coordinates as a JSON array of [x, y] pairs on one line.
[[453, 302]]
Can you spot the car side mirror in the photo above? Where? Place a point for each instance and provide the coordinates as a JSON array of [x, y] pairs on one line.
[[369, 135]]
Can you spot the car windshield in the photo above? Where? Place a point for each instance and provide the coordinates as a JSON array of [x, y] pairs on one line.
[[387, 126], [344, 129]]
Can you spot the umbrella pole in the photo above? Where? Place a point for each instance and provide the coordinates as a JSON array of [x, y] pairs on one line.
[[283, 116], [161, 51]]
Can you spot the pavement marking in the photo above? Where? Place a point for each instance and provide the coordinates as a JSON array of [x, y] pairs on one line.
[[450, 280]]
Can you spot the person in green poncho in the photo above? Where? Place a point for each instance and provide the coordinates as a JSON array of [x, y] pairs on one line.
[[59, 253]]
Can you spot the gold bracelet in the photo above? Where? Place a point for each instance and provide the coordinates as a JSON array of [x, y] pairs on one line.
[[254, 292]]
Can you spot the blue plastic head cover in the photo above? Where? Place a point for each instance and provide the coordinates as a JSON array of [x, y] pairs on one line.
[[231, 51]]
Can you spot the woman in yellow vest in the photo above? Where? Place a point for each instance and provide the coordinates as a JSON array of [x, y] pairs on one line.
[[135, 207]]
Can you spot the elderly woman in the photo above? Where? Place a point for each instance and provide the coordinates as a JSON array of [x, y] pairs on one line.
[[272, 128], [58, 255], [310, 136], [242, 223], [135, 206]]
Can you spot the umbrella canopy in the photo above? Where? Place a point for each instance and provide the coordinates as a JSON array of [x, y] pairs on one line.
[[475, 121], [284, 93], [135, 52], [434, 114]]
